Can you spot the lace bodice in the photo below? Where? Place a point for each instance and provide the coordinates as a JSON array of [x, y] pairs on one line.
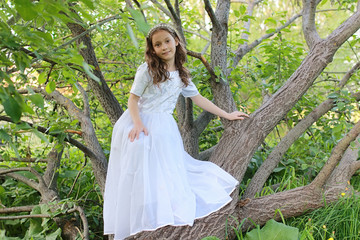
[[160, 98]]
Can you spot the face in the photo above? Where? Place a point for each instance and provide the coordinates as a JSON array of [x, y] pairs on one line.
[[164, 46]]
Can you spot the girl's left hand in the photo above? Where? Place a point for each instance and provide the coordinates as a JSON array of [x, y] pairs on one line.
[[236, 116]]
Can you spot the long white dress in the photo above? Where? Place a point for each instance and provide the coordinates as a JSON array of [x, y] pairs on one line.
[[153, 182]]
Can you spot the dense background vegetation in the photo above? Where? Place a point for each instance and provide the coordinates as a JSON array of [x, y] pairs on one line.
[[38, 52]]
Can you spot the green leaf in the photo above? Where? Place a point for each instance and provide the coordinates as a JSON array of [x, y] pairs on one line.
[[210, 238], [89, 72], [89, 3], [4, 136], [42, 77], [37, 99], [26, 9], [50, 87], [132, 35], [140, 20], [12, 109], [40, 135], [54, 235], [46, 36], [273, 231], [2, 190]]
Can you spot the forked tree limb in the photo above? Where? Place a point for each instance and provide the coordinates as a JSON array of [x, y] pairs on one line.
[[273, 159], [336, 155], [309, 28]]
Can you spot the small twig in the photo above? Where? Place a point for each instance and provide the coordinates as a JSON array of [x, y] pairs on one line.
[[203, 60], [77, 177]]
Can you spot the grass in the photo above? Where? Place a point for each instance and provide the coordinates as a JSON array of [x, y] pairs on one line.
[[340, 220]]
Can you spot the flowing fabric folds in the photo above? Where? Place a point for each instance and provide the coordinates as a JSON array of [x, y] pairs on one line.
[[153, 182]]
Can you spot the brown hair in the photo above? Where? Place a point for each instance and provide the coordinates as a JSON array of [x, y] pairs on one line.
[[157, 68]]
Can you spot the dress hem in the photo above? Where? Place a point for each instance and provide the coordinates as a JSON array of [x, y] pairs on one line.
[[171, 224]]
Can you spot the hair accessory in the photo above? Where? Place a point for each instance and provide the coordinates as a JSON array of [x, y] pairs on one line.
[[160, 26]]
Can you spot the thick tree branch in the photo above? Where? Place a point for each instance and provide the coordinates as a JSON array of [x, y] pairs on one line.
[[101, 90], [28, 169], [345, 30], [202, 121], [205, 155], [242, 148], [17, 209], [176, 17], [309, 29], [25, 180], [249, 12], [278, 152], [215, 22], [51, 174]]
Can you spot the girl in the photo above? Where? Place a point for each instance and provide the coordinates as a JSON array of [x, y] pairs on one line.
[[151, 181]]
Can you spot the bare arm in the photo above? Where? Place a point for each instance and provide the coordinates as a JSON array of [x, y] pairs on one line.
[[207, 105], [135, 116]]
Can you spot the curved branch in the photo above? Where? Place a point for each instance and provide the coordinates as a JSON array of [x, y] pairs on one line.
[[176, 18], [28, 169], [84, 221], [25, 180], [244, 49], [68, 139], [29, 208], [164, 10], [96, 25], [85, 100], [278, 152], [309, 28], [198, 34], [215, 22], [336, 155]]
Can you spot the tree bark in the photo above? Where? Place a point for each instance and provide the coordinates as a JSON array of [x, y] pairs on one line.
[[101, 90]]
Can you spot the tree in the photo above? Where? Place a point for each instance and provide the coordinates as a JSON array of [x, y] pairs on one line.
[[240, 140]]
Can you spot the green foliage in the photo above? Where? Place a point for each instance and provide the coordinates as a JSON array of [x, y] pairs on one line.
[[339, 220], [273, 231], [32, 31]]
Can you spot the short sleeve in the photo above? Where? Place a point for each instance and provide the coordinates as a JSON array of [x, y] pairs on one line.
[[141, 81], [190, 90]]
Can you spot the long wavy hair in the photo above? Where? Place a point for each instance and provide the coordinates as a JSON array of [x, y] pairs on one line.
[[157, 67]]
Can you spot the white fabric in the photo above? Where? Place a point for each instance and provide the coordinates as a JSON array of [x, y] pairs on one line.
[[153, 182], [162, 97]]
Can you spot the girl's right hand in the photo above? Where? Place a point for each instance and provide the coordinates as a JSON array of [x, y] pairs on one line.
[[135, 132]]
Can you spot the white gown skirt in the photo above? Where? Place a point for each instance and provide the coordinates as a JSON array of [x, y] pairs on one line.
[[153, 182]]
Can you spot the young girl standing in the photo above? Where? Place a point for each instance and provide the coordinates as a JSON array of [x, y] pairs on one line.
[[151, 181]]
